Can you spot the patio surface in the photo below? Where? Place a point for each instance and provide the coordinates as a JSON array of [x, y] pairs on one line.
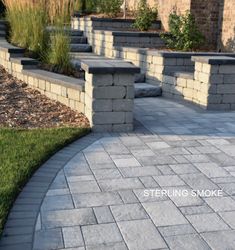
[[101, 198]]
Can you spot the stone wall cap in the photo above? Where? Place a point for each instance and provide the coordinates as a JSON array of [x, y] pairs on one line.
[[128, 33], [184, 74], [215, 60], [24, 61], [66, 81], [136, 34], [109, 67], [5, 46], [113, 20]]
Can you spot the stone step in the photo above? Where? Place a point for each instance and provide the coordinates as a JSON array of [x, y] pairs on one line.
[[78, 40], [80, 48], [139, 78], [3, 22], [25, 61], [181, 74], [70, 31], [76, 32], [2, 33], [147, 90], [3, 27]]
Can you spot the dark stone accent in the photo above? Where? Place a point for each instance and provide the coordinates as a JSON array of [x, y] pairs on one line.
[[24, 61], [135, 34], [215, 60], [108, 67], [11, 49], [80, 48]]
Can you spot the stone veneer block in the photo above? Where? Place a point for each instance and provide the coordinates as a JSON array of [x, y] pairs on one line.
[[109, 94]]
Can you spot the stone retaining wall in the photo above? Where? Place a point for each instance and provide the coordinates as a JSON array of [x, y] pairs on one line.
[[67, 90], [116, 24], [105, 97], [212, 85], [153, 63], [109, 95], [95, 26]]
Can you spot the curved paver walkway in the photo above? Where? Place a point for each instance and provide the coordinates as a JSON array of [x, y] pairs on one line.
[[101, 199]]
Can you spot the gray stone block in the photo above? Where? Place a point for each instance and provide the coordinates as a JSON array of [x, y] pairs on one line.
[[105, 118]]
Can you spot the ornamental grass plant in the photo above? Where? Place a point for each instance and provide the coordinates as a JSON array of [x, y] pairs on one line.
[[29, 20]]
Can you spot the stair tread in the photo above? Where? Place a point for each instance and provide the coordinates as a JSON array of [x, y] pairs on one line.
[[80, 45], [185, 74], [181, 73], [147, 90], [81, 48]]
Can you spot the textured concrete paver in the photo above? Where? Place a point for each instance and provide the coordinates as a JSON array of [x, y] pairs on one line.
[[141, 234], [102, 197]]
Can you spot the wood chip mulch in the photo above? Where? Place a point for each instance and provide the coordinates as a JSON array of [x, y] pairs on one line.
[[23, 107]]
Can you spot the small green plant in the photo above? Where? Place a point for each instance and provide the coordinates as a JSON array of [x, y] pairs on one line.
[[145, 16], [91, 6], [109, 7], [183, 32], [86, 6]]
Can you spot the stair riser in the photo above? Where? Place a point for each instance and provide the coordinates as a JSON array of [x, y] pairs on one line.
[[148, 93], [143, 90], [81, 48], [79, 40], [2, 27]]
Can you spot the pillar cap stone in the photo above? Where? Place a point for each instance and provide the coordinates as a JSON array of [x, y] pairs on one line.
[[215, 60], [109, 67]]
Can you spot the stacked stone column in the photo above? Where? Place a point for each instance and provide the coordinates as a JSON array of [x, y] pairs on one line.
[[109, 95], [215, 81]]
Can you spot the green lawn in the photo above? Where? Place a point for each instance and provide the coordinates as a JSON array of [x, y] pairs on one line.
[[21, 153]]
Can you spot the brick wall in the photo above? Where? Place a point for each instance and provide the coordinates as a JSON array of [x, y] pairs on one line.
[[214, 17], [206, 13], [227, 35], [165, 7]]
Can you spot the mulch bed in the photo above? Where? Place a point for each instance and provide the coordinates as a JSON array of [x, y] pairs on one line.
[[23, 107]]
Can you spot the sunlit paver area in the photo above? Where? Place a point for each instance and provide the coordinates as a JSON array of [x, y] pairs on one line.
[[123, 191]]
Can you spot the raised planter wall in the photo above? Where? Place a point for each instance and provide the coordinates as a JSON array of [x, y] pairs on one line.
[[115, 24], [212, 85], [152, 63], [105, 97], [67, 90]]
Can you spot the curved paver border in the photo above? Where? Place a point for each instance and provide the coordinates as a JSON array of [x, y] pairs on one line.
[[19, 229]]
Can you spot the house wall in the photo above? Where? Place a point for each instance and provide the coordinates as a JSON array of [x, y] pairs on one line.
[[226, 40], [207, 14], [215, 18]]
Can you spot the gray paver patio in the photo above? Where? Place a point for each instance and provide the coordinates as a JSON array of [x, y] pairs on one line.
[[98, 200]]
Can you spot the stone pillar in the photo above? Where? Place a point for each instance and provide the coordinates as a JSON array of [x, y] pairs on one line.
[[215, 78], [109, 94]]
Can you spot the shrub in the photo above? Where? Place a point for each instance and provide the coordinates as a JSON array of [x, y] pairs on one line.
[[109, 7], [58, 54], [184, 33], [91, 6], [86, 6], [145, 16]]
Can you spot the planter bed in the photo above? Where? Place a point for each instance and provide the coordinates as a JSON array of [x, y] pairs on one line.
[[98, 23]]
